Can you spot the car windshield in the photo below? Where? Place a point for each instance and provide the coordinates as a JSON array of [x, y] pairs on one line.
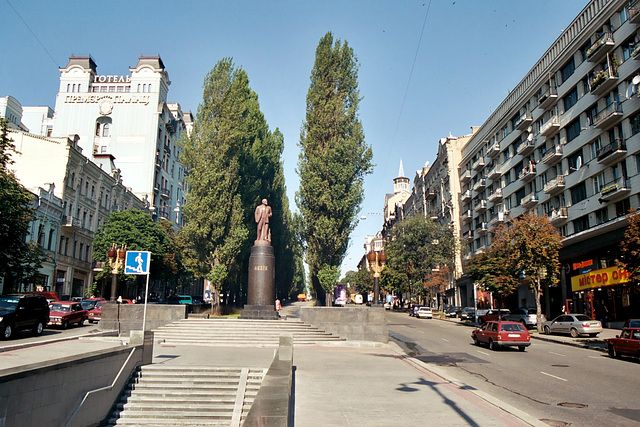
[[60, 307], [7, 303], [582, 318], [99, 305], [513, 327], [634, 324], [468, 310], [88, 305]]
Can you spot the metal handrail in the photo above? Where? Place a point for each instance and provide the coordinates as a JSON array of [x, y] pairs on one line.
[[106, 388]]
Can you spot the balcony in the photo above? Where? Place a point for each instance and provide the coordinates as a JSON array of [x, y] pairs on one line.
[[524, 121], [467, 235], [635, 53], [601, 47], [529, 200], [494, 150], [165, 193], [603, 81], [613, 152], [615, 191], [466, 196], [550, 127], [558, 216], [498, 218], [430, 194], [465, 176], [495, 172], [548, 98], [480, 185], [555, 185], [478, 164], [608, 116], [552, 156], [527, 173], [482, 229], [495, 196], [481, 206], [466, 216], [634, 11], [70, 222], [526, 147]]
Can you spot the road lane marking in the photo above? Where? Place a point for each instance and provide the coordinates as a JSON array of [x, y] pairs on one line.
[[482, 352], [553, 376], [558, 354], [444, 339], [595, 357]]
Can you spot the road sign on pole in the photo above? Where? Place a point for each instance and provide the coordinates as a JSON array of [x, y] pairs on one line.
[[137, 262]]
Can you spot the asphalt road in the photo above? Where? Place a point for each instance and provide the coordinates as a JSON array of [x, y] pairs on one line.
[[558, 384]]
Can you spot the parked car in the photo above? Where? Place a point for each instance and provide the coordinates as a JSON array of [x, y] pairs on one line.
[[90, 303], [95, 314], [453, 311], [23, 312], [414, 309], [493, 314], [64, 313], [468, 313], [498, 334], [526, 316], [574, 324], [180, 299], [632, 323], [49, 295], [627, 343], [424, 313]]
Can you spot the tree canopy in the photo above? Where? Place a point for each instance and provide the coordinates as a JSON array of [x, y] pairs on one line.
[[334, 157], [630, 247]]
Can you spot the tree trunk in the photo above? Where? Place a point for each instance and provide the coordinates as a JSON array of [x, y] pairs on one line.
[[538, 305]]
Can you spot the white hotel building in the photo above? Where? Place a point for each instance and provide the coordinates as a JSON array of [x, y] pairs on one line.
[[566, 143], [125, 122]]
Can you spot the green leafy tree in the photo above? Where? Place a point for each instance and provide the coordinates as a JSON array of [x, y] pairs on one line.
[[19, 260], [529, 247], [415, 248], [630, 248], [334, 157], [328, 276], [491, 269]]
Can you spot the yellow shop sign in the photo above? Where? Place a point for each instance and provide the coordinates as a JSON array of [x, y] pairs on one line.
[[597, 278]]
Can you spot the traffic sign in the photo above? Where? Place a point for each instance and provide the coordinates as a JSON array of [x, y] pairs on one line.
[[137, 262]]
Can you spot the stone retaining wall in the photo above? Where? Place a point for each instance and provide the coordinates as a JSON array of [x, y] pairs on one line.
[[360, 323], [128, 317]]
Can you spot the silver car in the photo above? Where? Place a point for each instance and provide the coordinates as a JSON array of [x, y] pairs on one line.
[[574, 324]]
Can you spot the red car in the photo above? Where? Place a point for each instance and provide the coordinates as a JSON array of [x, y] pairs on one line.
[[502, 334], [493, 314], [95, 314], [64, 313], [627, 343]]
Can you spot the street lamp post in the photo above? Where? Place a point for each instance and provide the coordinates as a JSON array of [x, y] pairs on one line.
[[377, 261], [116, 261]]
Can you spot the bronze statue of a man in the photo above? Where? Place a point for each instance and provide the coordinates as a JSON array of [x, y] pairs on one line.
[[262, 215]]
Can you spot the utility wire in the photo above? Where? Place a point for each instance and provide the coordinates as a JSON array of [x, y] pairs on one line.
[[33, 34], [415, 58]]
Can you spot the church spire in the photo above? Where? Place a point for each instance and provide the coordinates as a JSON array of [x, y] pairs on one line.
[[401, 171]]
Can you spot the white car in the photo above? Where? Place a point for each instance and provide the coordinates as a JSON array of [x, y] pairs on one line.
[[424, 312]]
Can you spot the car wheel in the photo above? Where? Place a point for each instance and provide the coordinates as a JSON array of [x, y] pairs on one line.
[[522, 348], [65, 324], [475, 341], [547, 330], [90, 321], [612, 352], [492, 345], [81, 322], [37, 330], [8, 332], [593, 335], [574, 333]]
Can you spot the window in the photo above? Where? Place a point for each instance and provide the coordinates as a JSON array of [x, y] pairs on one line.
[[578, 193], [573, 130], [622, 207], [575, 161], [570, 99], [635, 123], [592, 113], [602, 215], [520, 195], [598, 183], [105, 130], [594, 148], [581, 224], [568, 70]]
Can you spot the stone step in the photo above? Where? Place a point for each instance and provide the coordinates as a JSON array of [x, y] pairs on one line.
[[171, 398], [182, 407], [152, 422]]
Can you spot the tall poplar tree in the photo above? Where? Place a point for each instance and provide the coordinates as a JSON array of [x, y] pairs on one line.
[[334, 157]]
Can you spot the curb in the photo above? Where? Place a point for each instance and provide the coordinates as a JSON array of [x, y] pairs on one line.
[[523, 416], [54, 340]]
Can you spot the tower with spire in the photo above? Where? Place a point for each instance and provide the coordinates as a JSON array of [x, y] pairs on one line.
[[401, 182], [393, 203]]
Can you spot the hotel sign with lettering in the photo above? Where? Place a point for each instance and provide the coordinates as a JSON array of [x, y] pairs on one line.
[[125, 98], [598, 278], [111, 79]]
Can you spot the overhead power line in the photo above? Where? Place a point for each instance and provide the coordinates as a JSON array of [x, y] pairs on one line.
[[33, 34]]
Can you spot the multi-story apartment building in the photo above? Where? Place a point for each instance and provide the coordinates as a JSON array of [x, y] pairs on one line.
[[88, 193], [124, 122], [566, 143]]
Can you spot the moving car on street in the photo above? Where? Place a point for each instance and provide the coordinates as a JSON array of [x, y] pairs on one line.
[[526, 316], [95, 314], [90, 303], [23, 312], [424, 313], [414, 309], [625, 344], [574, 324], [64, 313], [497, 334]]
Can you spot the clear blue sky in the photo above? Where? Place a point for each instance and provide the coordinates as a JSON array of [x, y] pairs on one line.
[[472, 53]]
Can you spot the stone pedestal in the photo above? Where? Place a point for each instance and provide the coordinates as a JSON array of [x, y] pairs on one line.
[[261, 291]]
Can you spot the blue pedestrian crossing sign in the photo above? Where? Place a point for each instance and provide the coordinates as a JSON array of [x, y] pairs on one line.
[[137, 262]]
